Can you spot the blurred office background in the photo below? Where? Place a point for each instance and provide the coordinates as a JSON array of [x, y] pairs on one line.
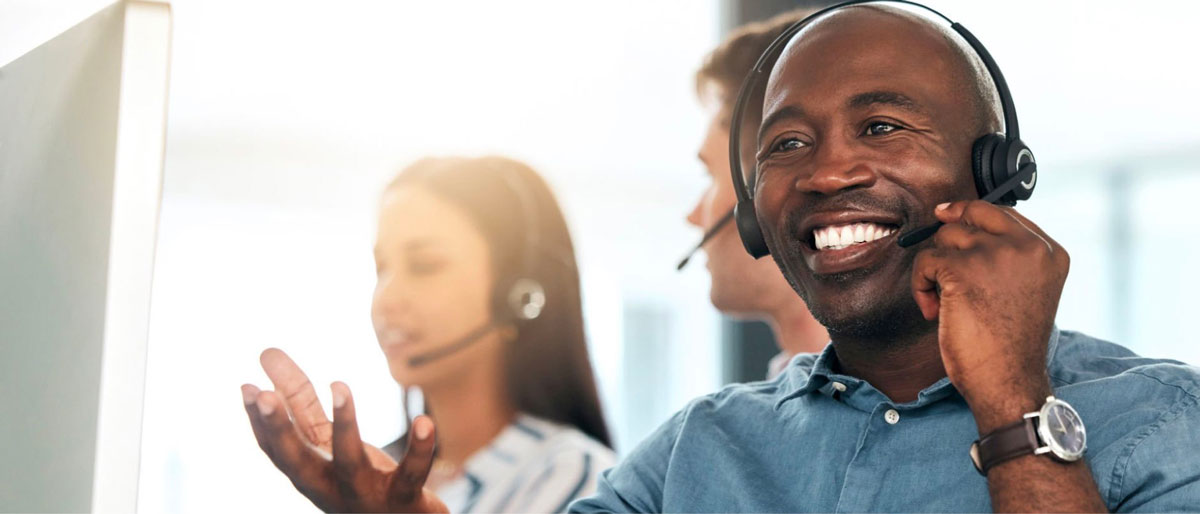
[[286, 119]]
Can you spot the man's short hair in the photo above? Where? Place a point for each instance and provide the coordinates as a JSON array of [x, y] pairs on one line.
[[724, 68]]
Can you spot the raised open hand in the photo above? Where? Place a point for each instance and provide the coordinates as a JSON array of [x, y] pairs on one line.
[[328, 462]]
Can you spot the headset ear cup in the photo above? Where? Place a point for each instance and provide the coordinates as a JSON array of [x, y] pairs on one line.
[[519, 300], [981, 163], [526, 299], [750, 231], [1016, 155]]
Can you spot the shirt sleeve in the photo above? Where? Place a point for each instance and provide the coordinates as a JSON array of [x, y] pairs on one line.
[[636, 483], [1160, 471]]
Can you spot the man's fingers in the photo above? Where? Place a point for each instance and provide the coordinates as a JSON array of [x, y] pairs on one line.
[[977, 213], [294, 385], [1001, 221], [410, 477], [309, 472], [925, 287], [349, 457], [958, 236], [290, 454], [379, 459], [1032, 227], [250, 399]]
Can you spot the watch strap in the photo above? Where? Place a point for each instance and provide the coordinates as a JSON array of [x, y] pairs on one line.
[[1006, 443]]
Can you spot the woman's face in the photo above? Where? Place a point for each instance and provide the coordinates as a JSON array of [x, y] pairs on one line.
[[433, 287]]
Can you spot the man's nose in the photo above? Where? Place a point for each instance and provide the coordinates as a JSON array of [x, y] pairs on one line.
[[838, 166], [696, 217]]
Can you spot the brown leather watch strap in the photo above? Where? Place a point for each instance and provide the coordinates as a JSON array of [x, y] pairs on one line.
[[1005, 443]]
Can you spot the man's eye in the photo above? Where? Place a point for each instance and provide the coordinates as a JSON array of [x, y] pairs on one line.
[[788, 145], [880, 128]]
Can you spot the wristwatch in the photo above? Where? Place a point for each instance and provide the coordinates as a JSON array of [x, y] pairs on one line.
[[1056, 431]]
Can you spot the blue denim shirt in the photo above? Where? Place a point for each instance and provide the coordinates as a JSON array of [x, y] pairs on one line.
[[799, 443]]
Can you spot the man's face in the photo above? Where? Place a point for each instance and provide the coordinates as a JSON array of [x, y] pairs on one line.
[[741, 285], [865, 131]]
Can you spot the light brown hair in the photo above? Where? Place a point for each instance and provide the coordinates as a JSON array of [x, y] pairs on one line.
[[725, 67]]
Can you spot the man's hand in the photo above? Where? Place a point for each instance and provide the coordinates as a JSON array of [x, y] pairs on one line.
[[992, 279], [328, 462]]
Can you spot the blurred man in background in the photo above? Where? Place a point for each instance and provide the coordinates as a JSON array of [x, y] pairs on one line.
[[741, 286]]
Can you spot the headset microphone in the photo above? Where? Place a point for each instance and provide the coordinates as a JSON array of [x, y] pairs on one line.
[[1028, 171], [452, 348], [707, 235]]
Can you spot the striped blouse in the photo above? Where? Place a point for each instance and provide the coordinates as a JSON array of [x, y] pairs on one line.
[[533, 465]]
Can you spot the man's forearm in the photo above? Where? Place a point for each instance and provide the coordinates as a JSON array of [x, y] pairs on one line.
[[1033, 483], [1037, 483]]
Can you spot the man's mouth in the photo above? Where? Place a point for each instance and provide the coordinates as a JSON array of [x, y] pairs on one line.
[[837, 237], [844, 240]]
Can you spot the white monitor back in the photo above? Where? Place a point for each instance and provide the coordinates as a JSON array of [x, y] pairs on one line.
[[82, 131]]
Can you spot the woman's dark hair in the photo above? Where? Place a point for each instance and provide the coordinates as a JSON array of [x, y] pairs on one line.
[[548, 370]]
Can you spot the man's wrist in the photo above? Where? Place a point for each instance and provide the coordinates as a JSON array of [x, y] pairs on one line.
[[1002, 407]]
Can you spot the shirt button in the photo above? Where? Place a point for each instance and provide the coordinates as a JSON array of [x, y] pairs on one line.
[[839, 387], [891, 416]]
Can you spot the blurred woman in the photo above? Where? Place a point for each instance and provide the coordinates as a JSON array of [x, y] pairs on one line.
[[476, 303]]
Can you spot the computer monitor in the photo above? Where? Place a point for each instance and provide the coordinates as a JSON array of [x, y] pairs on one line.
[[82, 131]]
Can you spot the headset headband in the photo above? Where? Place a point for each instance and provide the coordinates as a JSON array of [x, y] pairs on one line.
[[740, 186], [525, 297]]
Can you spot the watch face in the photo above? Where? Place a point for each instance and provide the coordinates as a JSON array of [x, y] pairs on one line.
[[1062, 430]]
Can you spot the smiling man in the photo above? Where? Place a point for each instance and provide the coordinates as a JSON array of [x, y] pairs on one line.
[[947, 386]]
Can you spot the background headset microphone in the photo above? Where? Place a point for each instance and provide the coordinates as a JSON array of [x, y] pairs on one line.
[[708, 234], [1002, 165]]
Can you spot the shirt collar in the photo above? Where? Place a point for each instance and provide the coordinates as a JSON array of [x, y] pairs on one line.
[[504, 454], [802, 378]]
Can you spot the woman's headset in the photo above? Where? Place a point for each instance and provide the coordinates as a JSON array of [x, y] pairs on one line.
[[516, 299], [521, 297], [1003, 166]]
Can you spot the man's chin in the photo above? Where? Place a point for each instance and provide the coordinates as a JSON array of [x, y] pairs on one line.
[[872, 320], [735, 306], [855, 305]]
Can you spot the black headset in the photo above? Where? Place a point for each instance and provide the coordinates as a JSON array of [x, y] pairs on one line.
[[1003, 166]]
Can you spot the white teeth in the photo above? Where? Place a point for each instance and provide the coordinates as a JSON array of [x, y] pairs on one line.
[[842, 236]]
